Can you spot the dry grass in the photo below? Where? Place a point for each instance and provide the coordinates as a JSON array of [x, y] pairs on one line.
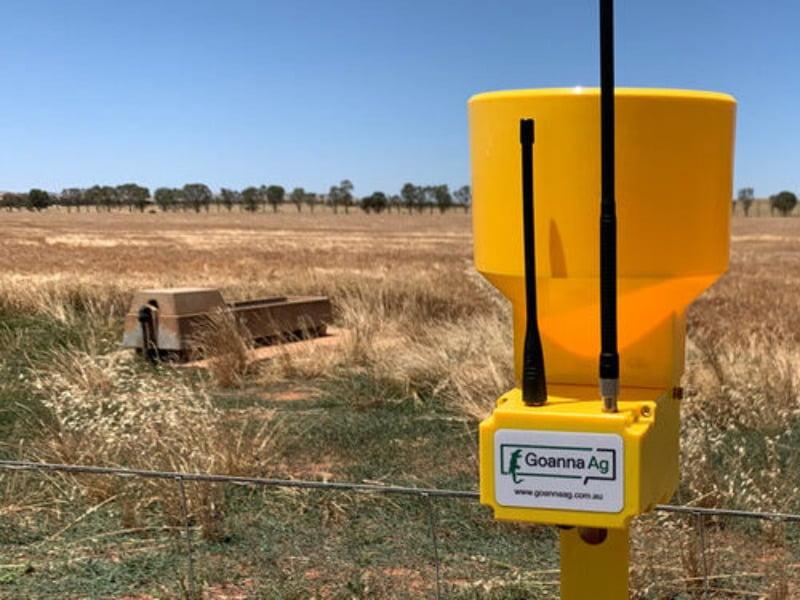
[[402, 285], [743, 374], [399, 288], [99, 258], [421, 322], [103, 410], [225, 342]]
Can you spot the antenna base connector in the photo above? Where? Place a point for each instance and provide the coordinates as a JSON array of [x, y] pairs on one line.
[[609, 392]]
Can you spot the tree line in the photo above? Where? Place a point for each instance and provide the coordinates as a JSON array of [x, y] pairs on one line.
[[782, 203], [198, 197]]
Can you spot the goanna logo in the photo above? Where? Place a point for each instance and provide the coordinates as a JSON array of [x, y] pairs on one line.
[[520, 461]]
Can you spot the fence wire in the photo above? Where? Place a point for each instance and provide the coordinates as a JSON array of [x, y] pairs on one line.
[[428, 495], [21, 465]]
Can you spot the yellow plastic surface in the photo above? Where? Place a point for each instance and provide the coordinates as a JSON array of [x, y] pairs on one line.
[[594, 572], [674, 179], [648, 422]]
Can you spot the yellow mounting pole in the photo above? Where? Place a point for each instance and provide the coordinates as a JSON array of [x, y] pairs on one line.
[[594, 571]]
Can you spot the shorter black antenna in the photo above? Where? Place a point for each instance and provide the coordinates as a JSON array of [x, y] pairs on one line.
[[534, 386]]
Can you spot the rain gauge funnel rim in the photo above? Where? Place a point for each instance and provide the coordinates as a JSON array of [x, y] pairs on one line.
[[619, 92], [674, 186]]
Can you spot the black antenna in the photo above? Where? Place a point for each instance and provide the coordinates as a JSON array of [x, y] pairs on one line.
[[534, 388], [609, 354]]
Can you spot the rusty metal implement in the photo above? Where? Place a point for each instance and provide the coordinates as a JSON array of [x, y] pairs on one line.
[[166, 322]]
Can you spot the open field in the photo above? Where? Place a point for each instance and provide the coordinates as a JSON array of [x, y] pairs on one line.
[[428, 351]]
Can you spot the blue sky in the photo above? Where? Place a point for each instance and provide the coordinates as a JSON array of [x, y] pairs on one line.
[[233, 93]]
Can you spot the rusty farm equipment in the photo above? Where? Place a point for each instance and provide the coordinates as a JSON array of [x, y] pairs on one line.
[[168, 323]]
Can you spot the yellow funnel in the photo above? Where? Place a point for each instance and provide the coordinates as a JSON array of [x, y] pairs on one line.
[[674, 153]]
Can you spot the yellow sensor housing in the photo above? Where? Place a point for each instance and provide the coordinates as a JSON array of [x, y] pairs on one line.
[[646, 427]]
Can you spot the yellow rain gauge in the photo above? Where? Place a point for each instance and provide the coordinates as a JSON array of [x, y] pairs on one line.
[[600, 270]]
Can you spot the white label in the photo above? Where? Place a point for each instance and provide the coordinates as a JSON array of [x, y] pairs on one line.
[[559, 470]]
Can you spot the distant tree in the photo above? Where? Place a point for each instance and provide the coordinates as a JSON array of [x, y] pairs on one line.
[[216, 200], [463, 197], [229, 198], [197, 196], [109, 197], [298, 197], [379, 202], [375, 202], [14, 201], [411, 195], [134, 196], [104, 196], [442, 197], [425, 198], [429, 197], [347, 198], [745, 197], [784, 202], [275, 196], [311, 200], [179, 200], [94, 197], [166, 198], [38, 200], [251, 198], [366, 204], [335, 198], [71, 198], [394, 203], [262, 197]]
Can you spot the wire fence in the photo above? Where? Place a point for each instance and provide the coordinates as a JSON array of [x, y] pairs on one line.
[[428, 496]]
